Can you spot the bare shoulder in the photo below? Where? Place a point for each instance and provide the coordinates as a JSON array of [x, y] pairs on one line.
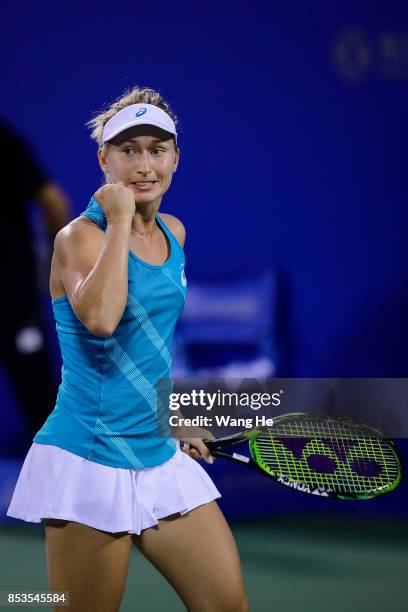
[[175, 226], [78, 243], [76, 247], [76, 231]]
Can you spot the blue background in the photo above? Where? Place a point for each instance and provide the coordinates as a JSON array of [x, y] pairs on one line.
[[293, 134]]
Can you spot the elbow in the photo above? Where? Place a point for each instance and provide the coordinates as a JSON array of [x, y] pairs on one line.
[[97, 323], [100, 330], [101, 333]]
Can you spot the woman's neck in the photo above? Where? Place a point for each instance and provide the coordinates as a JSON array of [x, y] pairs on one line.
[[144, 224]]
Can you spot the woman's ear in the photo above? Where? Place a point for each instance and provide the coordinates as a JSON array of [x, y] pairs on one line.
[[176, 161], [102, 159]]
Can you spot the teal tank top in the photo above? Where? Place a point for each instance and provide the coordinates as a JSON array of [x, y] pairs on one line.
[[106, 407]]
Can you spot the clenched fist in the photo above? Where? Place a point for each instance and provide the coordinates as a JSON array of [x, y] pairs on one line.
[[117, 201]]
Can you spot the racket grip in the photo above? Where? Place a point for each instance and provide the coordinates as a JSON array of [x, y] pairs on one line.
[[209, 443]]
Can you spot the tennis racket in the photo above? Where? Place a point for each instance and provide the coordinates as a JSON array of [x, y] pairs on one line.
[[326, 456]]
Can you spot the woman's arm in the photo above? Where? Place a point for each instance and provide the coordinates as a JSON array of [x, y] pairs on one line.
[[93, 265]]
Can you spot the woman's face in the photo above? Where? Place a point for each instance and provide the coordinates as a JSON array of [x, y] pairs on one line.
[[144, 158]]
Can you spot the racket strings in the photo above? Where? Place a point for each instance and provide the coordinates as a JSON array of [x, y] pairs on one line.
[[328, 454], [322, 467]]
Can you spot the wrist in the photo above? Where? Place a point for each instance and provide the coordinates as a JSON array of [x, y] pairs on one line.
[[120, 221]]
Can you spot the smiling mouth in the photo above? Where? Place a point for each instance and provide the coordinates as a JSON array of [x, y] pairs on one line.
[[143, 185], [143, 182]]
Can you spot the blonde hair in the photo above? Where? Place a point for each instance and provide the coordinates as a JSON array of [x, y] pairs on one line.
[[136, 95]]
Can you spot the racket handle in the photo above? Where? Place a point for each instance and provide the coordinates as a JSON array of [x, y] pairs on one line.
[[209, 443]]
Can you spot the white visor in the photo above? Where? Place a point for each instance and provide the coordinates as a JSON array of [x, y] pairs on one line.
[[138, 114]]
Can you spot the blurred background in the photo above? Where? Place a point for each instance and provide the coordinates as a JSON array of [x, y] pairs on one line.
[[293, 189]]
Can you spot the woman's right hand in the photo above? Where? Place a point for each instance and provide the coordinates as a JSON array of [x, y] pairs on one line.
[[117, 201]]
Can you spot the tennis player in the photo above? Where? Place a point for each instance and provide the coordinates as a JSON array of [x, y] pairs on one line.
[[97, 474]]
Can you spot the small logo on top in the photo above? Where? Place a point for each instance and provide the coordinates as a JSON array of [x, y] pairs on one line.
[[141, 112], [183, 275]]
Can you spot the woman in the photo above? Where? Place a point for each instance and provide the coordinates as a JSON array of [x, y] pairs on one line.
[[97, 473]]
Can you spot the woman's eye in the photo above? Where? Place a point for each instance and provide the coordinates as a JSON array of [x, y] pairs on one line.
[[157, 151], [127, 151]]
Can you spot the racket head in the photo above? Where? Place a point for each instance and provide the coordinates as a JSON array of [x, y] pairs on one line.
[[328, 456]]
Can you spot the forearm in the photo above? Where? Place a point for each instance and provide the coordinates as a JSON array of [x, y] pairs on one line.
[[103, 294]]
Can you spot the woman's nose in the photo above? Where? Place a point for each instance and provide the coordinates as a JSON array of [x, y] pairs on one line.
[[143, 162]]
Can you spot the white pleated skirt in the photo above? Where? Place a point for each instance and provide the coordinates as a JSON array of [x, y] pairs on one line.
[[55, 483]]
